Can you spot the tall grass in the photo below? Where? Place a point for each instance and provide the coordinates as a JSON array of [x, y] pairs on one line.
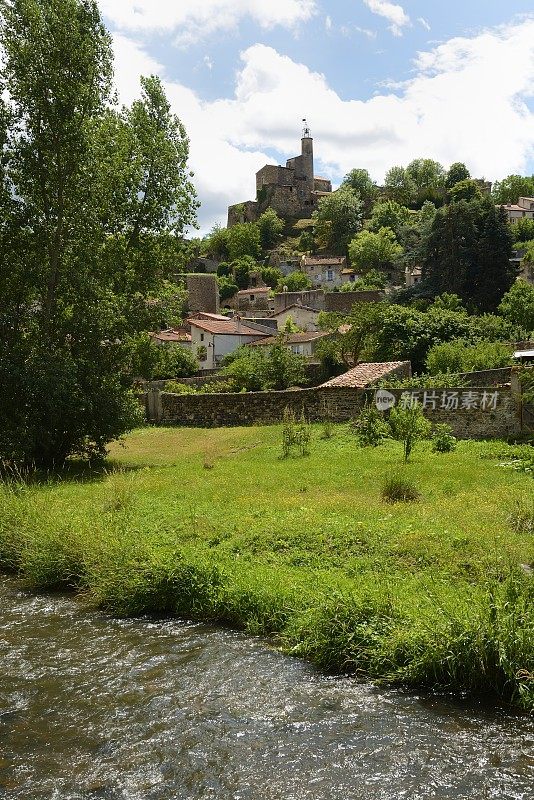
[[359, 589]]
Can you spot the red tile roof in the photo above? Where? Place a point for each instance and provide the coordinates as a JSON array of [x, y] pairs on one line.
[[172, 335], [364, 374], [229, 327], [291, 338], [325, 260]]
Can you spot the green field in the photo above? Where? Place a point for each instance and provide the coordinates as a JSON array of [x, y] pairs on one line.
[[213, 524]]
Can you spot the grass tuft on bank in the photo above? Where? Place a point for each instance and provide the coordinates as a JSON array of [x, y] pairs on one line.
[[429, 594]]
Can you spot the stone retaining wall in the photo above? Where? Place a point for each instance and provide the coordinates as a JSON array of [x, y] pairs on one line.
[[485, 416]]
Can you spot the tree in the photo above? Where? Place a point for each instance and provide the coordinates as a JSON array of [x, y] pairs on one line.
[[494, 273], [389, 214], [243, 239], [92, 201], [523, 231], [399, 186], [271, 228], [372, 251], [457, 172], [338, 219], [227, 287], [258, 368], [294, 282], [241, 269], [216, 243], [408, 425], [448, 302], [428, 177], [517, 305], [271, 276], [355, 333], [154, 362], [360, 182], [467, 189], [468, 251], [510, 189]]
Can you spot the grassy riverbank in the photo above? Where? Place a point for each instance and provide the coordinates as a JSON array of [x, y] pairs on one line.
[[212, 524]]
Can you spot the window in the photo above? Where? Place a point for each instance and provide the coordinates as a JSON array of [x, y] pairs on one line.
[[201, 337], [329, 275], [252, 297]]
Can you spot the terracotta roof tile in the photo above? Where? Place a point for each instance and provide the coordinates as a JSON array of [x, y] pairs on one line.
[[229, 327], [364, 374], [291, 338]]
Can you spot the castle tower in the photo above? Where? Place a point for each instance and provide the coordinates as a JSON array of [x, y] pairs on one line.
[[306, 159]]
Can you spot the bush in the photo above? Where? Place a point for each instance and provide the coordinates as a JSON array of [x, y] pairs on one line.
[[175, 387], [408, 425], [397, 489], [295, 434], [217, 387], [371, 427], [442, 439], [459, 356]]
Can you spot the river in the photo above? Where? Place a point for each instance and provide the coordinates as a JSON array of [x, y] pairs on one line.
[[93, 707]]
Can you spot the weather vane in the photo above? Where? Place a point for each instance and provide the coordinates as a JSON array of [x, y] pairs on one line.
[[306, 132]]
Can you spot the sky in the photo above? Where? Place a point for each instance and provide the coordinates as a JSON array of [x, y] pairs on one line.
[[380, 83]]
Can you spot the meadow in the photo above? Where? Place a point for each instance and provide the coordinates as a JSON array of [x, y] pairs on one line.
[[215, 525]]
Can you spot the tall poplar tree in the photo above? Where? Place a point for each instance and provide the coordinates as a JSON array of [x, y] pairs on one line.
[[91, 203]]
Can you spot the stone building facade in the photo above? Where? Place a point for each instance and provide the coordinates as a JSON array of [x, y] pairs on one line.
[[292, 191]]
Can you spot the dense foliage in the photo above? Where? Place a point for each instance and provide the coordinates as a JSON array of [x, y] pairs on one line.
[[92, 201]]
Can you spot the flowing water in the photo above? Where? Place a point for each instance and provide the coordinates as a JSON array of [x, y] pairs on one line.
[[92, 707]]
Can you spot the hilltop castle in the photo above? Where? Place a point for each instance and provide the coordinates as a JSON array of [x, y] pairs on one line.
[[292, 191]]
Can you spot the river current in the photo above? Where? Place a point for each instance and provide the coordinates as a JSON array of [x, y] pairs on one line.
[[93, 707]]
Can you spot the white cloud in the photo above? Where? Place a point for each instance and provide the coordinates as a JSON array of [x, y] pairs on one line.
[[422, 21], [463, 104], [366, 32], [192, 20], [328, 23], [208, 62], [392, 12]]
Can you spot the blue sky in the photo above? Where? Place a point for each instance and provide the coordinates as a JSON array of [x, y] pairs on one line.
[[380, 82]]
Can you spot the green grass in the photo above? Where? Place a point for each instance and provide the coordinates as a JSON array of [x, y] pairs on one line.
[[212, 524]]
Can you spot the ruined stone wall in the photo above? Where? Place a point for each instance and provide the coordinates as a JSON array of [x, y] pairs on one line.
[[203, 293], [344, 404], [314, 298], [342, 302], [248, 211]]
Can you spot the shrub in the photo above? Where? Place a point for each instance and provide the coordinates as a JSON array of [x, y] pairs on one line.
[[175, 387], [408, 425], [295, 434], [217, 387], [459, 356], [371, 427], [397, 489], [442, 439]]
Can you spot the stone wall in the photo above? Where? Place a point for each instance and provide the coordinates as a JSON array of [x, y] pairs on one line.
[[494, 421], [488, 377], [486, 418], [342, 302]]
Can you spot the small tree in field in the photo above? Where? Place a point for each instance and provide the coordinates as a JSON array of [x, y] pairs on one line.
[[408, 425]]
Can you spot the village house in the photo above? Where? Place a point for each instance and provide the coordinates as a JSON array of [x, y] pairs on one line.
[[172, 336], [412, 275], [324, 271], [253, 299], [212, 339], [523, 209], [304, 317], [302, 344]]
